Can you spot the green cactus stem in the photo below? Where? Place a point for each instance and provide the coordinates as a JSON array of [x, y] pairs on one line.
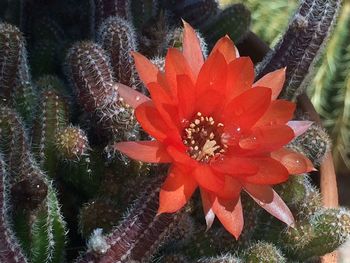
[[15, 79], [37, 210], [221, 259], [72, 143], [314, 144], [326, 230], [190, 10], [10, 249], [53, 117], [263, 252], [301, 43], [233, 21]]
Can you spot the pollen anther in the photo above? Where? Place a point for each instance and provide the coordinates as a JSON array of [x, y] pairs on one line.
[[202, 137]]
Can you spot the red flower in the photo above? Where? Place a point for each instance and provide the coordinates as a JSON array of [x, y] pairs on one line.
[[220, 131]]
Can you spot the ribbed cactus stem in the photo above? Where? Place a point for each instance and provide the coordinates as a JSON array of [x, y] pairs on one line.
[[91, 73], [10, 250], [143, 11], [35, 199], [53, 117], [301, 43], [72, 143], [117, 36], [106, 8], [190, 10], [221, 259], [263, 252], [314, 143], [98, 213], [233, 21], [11, 49], [15, 79], [326, 230], [139, 235]]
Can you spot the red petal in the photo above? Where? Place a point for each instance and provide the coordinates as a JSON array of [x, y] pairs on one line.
[[299, 127], [230, 215], [295, 163], [186, 96], [208, 103], [164, 104], [145, 151], [207, 179], [268, 199], [176, 190], [207, 202], [130, 96], [146, 69], [240, 77], [231, 190], [176, 64], [158, 94], [180, 156], [226, 47], [152, 122], [192, 49], [246, 109], [265, 139], [279, 112], [212, 75], [270, 172], [273, 80], [234, 165]]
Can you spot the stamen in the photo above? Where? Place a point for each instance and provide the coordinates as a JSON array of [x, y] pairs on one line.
[[203, 138]]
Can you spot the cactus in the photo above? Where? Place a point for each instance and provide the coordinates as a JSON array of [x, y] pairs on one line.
[[142, 232], [91, 74], [314, 143], [33, 195], [265, 253], [105, 9], [330, 90], [189, 10], [11, 49], [221, 259], [118, 38], [61, 144], [71, 143], [233, 21], [53, 117], [302, 42], [10, 250]]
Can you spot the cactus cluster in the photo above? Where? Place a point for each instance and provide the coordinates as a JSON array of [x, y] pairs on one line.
[[61, 112]]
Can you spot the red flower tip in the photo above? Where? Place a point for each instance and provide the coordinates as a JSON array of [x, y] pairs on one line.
[[220, 131]]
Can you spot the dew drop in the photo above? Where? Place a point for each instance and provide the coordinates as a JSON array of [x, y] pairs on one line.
[[231, 135], [137, 98], [249, 143]]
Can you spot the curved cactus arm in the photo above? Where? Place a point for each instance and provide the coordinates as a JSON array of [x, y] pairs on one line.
[[301, 44]]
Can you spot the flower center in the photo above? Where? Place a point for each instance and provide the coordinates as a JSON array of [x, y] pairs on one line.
[[203, 138]]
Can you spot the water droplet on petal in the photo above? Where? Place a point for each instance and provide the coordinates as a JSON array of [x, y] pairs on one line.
[[231, 135], [249, 142], [137, 98]]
